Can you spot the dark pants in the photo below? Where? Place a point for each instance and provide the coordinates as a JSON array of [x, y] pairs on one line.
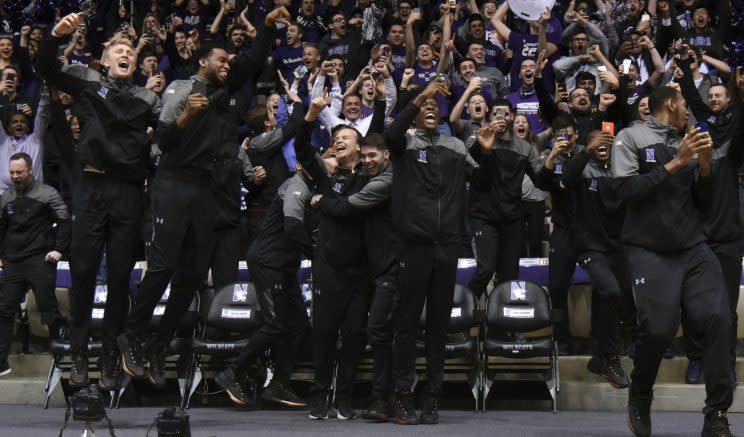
[[729, 255], [225, 256], [284, 320], [610, 281], [496, 246], [380, 331], [106, 213], [426, 274], [562, 265], [691, 281], [340, 301], [533, 227], [17, 277], [250, 224], [183, 229]]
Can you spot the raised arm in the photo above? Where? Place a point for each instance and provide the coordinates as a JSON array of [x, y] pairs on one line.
[[48, 66], [455, 117], [687, 85], [498, 21], [377, 190], [410, 41], [396, 133], [306, 155]]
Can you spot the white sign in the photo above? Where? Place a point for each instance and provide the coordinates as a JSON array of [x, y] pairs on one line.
[[159, 310], [519, 313], [228, 313], [97, 313], [456, 312], [530, 10]]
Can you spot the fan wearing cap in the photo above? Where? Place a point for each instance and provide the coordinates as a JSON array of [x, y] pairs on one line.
[[113, 151], [197, 132]]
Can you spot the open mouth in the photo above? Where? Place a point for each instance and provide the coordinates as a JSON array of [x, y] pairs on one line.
[[521, 130], [478, 109], [602, 149], [340, 148], [222, 74], [124, 64], [528, 75], [430, 117]]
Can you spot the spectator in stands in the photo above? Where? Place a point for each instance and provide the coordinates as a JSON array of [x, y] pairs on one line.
[[34, 235], [17, 137]]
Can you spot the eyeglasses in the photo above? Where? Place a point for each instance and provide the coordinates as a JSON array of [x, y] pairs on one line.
[[580, 40], [339, 20]]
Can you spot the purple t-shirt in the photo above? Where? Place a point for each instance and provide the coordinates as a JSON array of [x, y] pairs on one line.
[[527, 104], [398, 55], [639, 91], [286, 59], [487, 92], [525, 46], [422, 77]]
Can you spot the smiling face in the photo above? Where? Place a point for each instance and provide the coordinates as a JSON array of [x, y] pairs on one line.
[[121, 61], [294, 37], [272, 103], [310, 57], [488, 10], [180, 40], [425, 53], [428, 116], [521, 126], [374, 159], [368, 90], [308, 8], [6, 48], [700, 18], [478, 53], [579, 100], [527, 72], [19, 126], [467, 70], [477, 29], [352, 108], [477, 108], [643, 111], [396, 35], [237, 37], [718, 98], [216, 66], [346, 144]]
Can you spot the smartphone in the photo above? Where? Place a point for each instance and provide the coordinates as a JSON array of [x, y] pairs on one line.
[[10, 77], [626, 66], [156, 72], [602, 68], [300, 72], [645, 17], [500, 113], [608, 127], [563, 134], [386, 52], [699, 125], [452, 3], [374, 73], [199, 87], [82, 27]]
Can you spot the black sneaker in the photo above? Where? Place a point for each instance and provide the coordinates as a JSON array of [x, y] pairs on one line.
[[716, 425], [405, 410], [639, 413], [282, 394], [378, 411], [4, 368], [319, 407], [79, 370], [227, 380], [669, 353], [344, 410], [132, 356], [610, 369], [156, 365], [429, 409], [694, 372], [108, 365]]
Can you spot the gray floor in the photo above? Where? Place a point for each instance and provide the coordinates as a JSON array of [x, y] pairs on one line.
[[27, 421]]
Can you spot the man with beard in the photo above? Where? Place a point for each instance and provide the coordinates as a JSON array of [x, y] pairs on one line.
[[675, 274], [108, 200], [598, 222], [17, 137], [196, 132], [723, 222], [288, 57], [524, 100], [495, 197]]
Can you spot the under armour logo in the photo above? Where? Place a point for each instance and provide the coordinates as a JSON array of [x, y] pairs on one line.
[[277, 286], [640, 281], [159, 220], [402, 265]]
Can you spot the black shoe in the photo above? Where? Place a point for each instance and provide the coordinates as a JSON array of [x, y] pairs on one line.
[[108, 365], [344, 410], [378, 411], [429, 409], [227, 380], [405, 410], [280, 393], [79, 371], [610, 369], [694, 373], [156, 365], [4, 368], [669, 353], [319, 407], [132, 356], [639, 413], [716, 425]]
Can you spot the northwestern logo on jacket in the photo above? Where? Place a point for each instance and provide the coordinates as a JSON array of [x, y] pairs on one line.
[[102, 91], [337, 187], [650, 155], [422, 156], [559, 169], [593, 185]]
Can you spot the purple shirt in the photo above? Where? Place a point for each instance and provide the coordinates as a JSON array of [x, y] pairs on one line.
[[525, 46], [286, 59], [528, 105], [422, 77]]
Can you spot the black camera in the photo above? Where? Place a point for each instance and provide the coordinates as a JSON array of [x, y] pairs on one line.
[[173, 422], [88, 405]]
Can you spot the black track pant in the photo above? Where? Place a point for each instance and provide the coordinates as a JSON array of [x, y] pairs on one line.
[[105, 212], [183, 229], [380, 331], [610, 281], [340, 302], [691, 281], [225, 256], [497, 246], [17, 277], [426, 274], [284, 320], [560, 271], [533, 222], [729, 255]]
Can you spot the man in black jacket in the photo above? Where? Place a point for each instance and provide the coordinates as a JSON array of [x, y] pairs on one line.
[[108, 201], [428, 206], [197, 132], [598, 220], [665, 190], [30, 246]]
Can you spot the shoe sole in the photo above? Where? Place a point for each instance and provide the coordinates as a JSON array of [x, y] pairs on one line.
[[313, 417], [6, 372], [151, 380], [377, 419], [340, 417], [285, 402], [607, 378], [630, 427], [230, 395], [404, 422]]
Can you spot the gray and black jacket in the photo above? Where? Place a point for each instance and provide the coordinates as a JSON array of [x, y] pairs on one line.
[[429, 182], [496, 186], [27, 223], [563, 209], [663, 210], [599, 211]]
